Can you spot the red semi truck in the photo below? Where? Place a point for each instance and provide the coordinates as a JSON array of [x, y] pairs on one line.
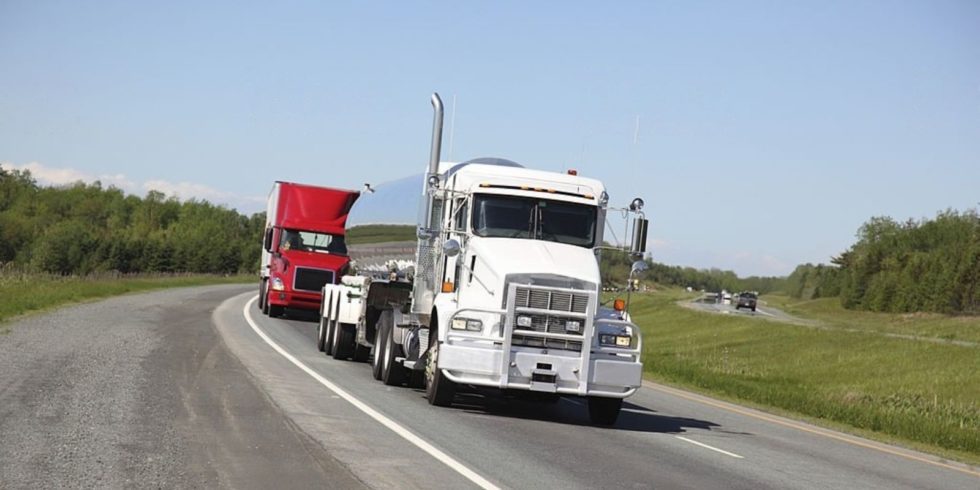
[[303, 246]]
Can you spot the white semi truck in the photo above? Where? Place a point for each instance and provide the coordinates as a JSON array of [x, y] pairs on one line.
[[503, 293]]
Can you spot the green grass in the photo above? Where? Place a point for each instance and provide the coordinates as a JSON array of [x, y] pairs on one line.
[[828, 312], [364, 234], [22, 293], [924, 394]]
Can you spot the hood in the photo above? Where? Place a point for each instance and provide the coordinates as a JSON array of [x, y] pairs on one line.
[[548, 260]]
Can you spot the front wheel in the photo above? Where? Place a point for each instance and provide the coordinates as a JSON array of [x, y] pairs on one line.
[[439, 389], [604, 411]]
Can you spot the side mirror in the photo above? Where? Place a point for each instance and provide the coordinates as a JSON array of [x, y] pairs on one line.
[[638, 266], [267, 240], [639, 245], [451, 248]]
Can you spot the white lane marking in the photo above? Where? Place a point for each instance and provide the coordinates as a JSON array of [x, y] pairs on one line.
[[370, 412], [759, 310], [696, 443]]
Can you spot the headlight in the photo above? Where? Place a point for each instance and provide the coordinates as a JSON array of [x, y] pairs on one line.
[[524, 321], [615, 340], [573, 326], [621, 337], [277, 284], [467, 324]]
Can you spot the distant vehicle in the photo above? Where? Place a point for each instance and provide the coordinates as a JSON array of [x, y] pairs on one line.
[[746, 299], [726, 297]]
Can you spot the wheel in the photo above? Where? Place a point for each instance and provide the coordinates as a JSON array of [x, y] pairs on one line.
[[321, 333], [604, 411], [361, 353], [378, 351], [416, 379], [753, 309], [261, 302], [343, 340], [327, 324], [392, 373], [276, 311], [439, 389], [265, 297]]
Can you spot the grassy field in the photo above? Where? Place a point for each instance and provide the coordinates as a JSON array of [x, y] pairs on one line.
[[925, 394], [364, 234], [828, 312], [27, 293]]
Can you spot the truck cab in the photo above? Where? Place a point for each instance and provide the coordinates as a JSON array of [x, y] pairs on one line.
[[303, 246]]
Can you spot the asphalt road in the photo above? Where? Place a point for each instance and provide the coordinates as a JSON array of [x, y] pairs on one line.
[[195, 388], [665, 438], [140, 391]]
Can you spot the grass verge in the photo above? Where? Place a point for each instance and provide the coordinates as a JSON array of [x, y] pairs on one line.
[[364, 234], [922, 394], [29, 293]]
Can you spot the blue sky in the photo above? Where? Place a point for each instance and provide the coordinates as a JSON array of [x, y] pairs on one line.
[[768, 131]]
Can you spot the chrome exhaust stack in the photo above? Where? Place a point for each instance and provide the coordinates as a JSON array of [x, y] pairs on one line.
[[434, 153], [432, 175]]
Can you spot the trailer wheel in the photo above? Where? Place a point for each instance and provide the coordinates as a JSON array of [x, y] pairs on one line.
[[378, 351], [261, 301], [321, 333], [343, 340], [361, 352], [439, 389], [604, 411], [392, 373]]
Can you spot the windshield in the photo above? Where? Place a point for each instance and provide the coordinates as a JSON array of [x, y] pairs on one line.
[[536, 219], [309, 241]]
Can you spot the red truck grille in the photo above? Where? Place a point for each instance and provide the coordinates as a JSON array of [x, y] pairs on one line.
[[312, 279]]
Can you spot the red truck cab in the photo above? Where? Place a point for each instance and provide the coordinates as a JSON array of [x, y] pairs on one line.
[[304, 245]]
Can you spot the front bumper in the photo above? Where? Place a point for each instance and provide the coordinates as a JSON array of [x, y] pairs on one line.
[[300, 300], [481, 363]]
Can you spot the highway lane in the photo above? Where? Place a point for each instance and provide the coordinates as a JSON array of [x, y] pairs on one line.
[[665, 438], [139, 391]]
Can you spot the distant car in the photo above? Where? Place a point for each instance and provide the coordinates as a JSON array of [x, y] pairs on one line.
[[746, 300]]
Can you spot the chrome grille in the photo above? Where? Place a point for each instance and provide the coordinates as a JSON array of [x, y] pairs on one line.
[[527, 341], [542, 299], [555, 309]]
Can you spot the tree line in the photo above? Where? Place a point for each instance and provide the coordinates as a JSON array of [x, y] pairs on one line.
[[917, 265], [83, 228]]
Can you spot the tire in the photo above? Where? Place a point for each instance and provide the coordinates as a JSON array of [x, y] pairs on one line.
[[321, 333], [604, 411], [378, 350], [753, 310], [361, 353], [343, 340], [392, 373], [416, 379], [265, 297], [439, 389], [261, 302]]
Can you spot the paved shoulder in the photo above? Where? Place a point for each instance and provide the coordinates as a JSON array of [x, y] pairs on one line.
[[140, 391]]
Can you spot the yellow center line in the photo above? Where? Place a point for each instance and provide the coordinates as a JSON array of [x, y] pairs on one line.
[[811, 430]]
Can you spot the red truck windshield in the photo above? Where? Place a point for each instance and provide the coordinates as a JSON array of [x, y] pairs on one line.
[[537, 219], [309, 241]]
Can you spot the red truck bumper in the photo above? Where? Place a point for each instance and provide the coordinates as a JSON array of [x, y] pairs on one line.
[[296, 299]]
